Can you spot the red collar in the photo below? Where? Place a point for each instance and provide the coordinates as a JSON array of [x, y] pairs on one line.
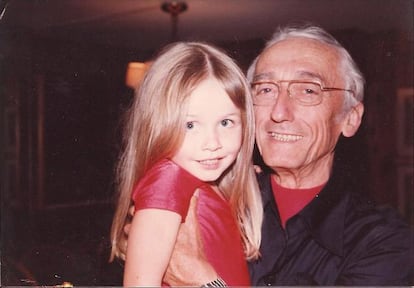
[[291, 201]]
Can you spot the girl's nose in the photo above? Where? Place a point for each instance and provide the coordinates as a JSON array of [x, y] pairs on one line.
[[212, 141]]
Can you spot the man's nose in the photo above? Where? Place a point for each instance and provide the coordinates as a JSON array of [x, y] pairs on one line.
[[282, 108], [212, 140]]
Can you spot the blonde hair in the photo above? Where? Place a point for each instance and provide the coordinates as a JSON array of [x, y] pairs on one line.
[[152, 133]]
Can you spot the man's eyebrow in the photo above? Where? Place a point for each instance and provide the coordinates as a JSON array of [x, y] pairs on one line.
[[309, 74], [301, 74], [262, 76]]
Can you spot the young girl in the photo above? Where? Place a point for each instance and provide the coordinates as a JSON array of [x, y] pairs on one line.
[[190, 132]]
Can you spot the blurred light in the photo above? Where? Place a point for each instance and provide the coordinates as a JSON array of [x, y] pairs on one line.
[[135, 73]]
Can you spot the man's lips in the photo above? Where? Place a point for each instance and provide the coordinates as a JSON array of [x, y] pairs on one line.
[[284, 137]]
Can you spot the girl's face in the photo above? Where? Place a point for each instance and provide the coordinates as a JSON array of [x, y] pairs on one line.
[[213, 132]]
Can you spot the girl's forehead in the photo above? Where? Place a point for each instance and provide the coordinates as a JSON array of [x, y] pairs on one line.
[[210, 98]]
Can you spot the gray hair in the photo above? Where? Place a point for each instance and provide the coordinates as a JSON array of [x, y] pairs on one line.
[[354, 80]]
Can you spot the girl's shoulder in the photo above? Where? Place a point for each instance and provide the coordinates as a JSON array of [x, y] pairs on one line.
[[165, 186]]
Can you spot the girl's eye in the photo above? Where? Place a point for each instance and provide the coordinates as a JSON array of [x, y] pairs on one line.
[[226, 122], [189, 125]]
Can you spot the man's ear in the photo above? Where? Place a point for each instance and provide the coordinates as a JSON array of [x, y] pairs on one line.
[[353, 120]]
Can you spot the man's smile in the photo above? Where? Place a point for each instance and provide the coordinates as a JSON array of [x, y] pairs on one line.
[[285, 137]]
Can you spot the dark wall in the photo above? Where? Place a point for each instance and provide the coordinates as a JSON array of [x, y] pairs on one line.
[[65, 101]]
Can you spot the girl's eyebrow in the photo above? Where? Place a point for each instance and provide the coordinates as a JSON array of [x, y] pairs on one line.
[[235, 114]]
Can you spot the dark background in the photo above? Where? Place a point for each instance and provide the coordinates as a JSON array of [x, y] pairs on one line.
[[63, 94]]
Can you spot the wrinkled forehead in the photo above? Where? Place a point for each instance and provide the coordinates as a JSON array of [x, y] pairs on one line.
[[299, 59]]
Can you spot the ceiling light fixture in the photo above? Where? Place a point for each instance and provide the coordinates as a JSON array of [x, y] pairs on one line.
[[136, 70], [174, 8]]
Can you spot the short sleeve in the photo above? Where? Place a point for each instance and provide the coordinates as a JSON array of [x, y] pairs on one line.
[[166, 186]]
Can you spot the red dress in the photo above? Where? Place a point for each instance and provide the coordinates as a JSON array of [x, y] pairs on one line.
[[168, 186]]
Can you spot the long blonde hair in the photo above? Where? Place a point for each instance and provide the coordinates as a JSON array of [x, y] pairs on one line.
[[153, 133]]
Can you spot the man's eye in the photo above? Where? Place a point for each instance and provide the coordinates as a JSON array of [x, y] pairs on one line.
[[190, 125], [309, 91], [264, 90], [226, 122], [305, 89]]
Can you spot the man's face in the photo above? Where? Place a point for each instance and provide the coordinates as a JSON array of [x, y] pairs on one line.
[[293, 138]]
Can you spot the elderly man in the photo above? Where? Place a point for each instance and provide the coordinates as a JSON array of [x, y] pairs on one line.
[[307, 92]]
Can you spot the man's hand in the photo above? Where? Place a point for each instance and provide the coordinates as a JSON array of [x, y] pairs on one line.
[[122, 245], [188, 265], [127, 226]]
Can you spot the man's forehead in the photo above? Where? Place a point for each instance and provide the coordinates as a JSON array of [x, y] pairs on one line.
[[297, 58], [299, 49]]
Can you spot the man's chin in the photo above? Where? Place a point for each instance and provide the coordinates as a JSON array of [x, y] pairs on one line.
[[278, 163]]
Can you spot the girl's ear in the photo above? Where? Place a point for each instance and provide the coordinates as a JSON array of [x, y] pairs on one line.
[[353, 120]]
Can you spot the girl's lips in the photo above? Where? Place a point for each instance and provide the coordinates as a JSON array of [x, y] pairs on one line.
[[210, 163]]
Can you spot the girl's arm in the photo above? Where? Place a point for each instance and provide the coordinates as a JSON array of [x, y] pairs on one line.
[[150, 244], [188, 265]]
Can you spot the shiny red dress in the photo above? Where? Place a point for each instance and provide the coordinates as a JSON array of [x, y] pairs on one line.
[[168, 186]]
